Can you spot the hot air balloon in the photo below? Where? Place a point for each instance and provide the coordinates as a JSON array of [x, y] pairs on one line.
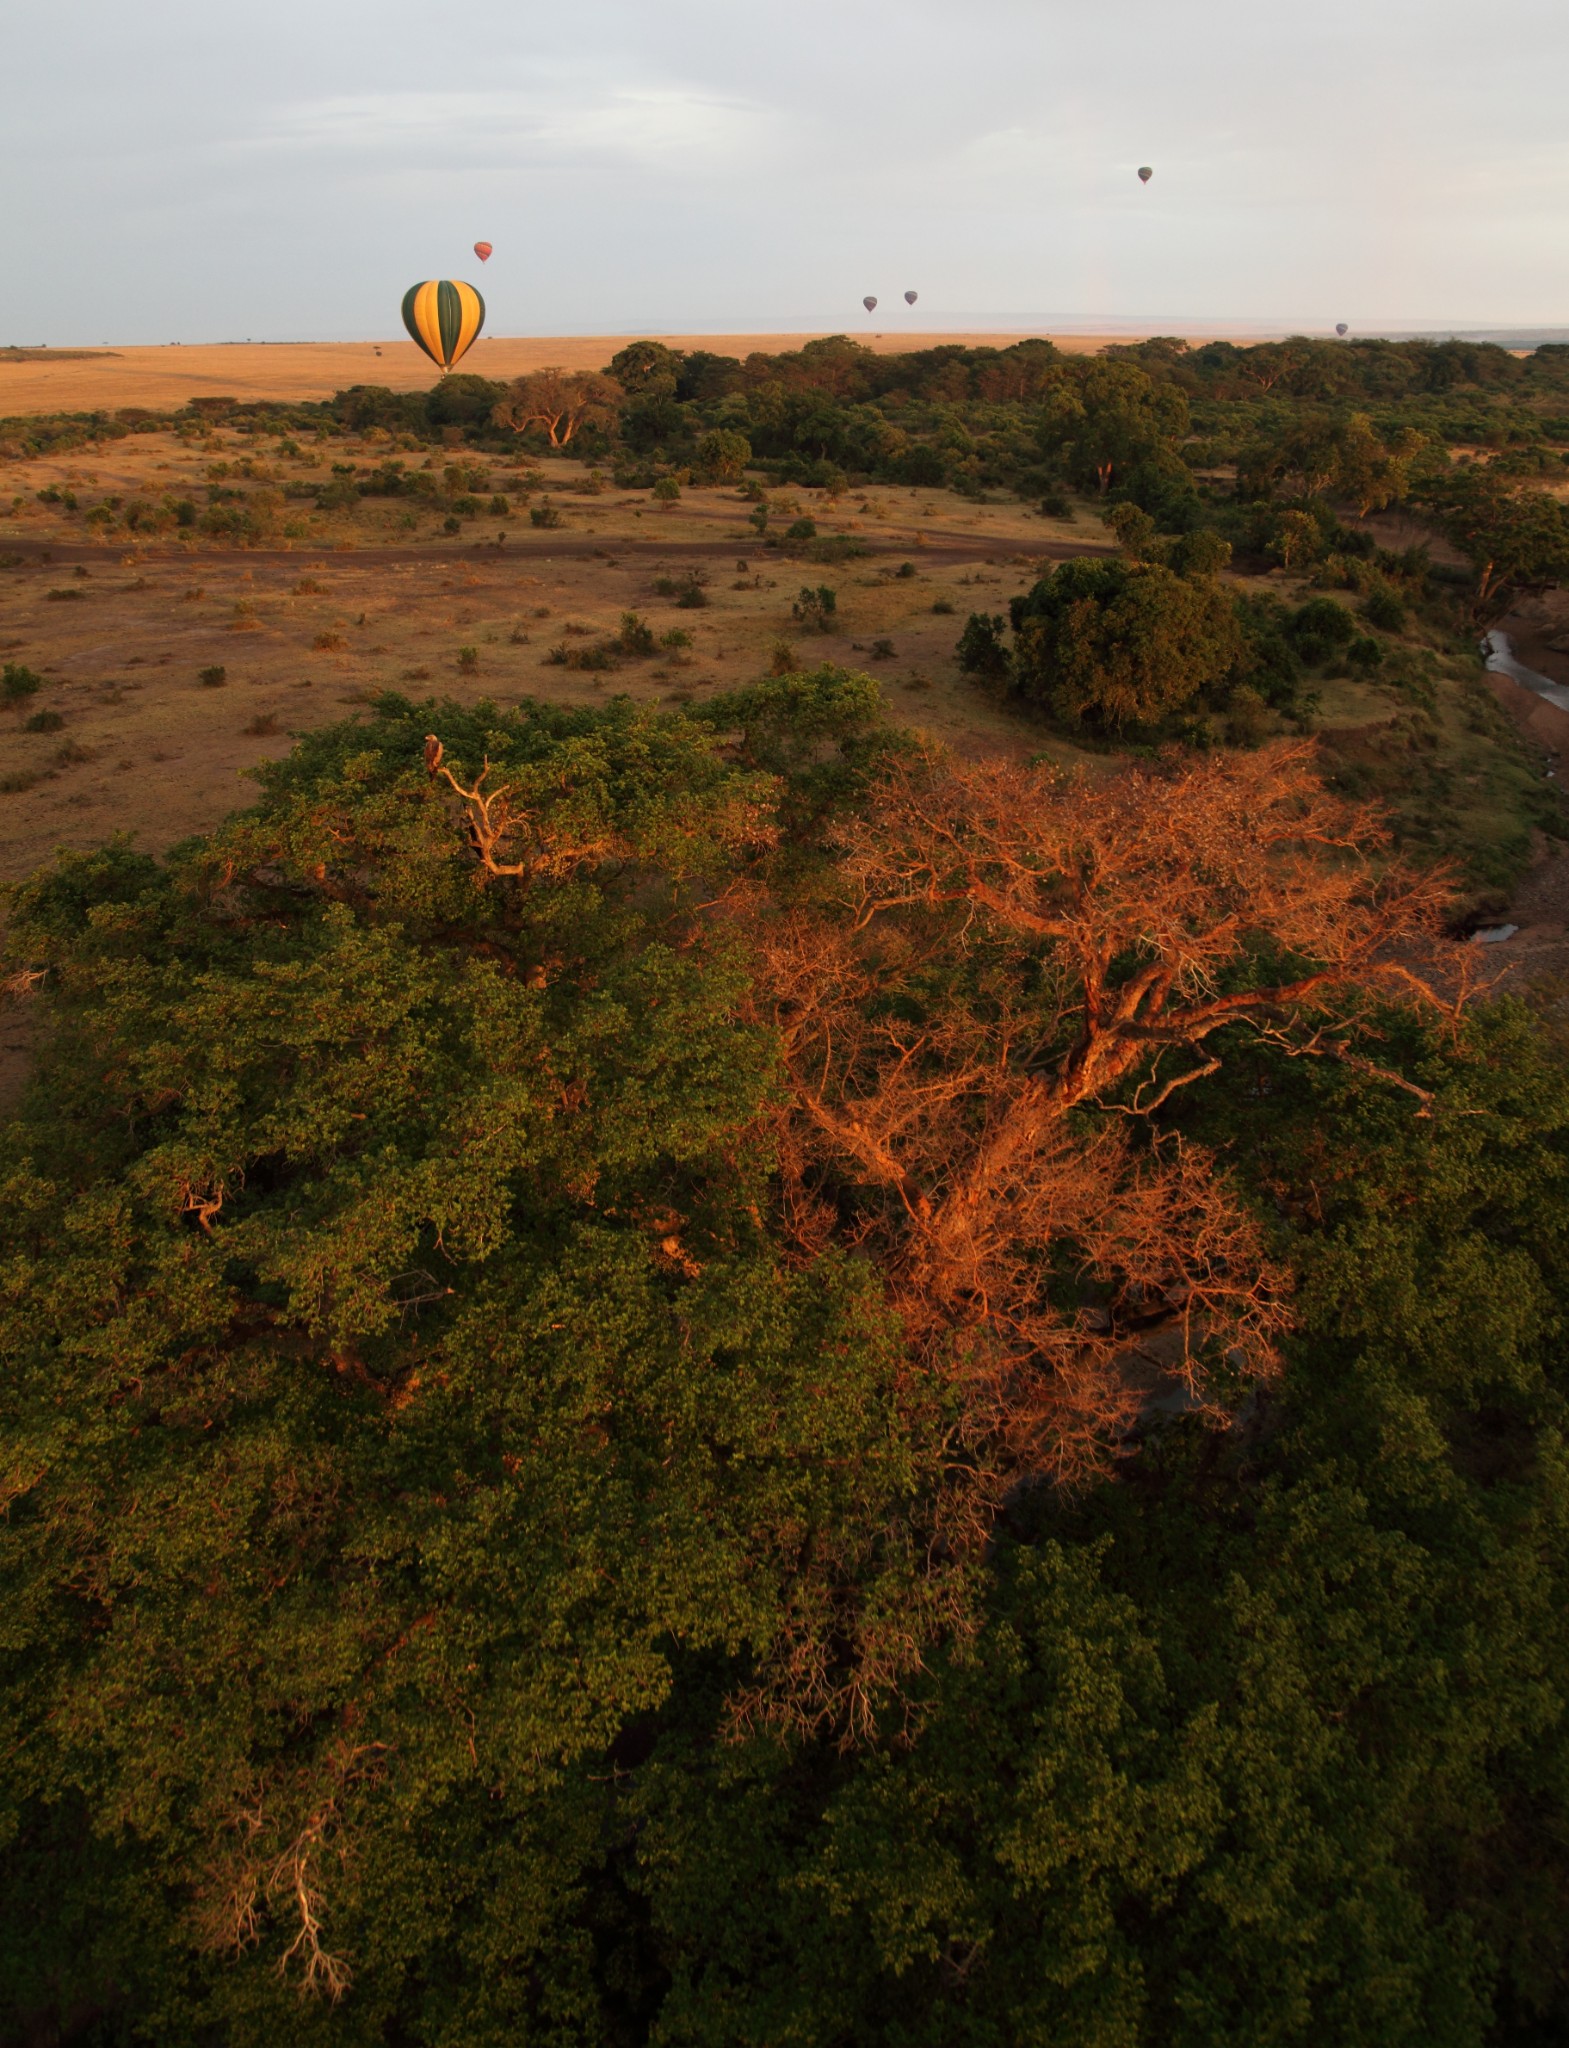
[[911, 297], [1145, 174], [1342, 329], [444, 317], [870, 304], [482, 251]]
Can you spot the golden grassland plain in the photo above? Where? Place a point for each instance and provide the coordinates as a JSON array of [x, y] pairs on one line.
[[165, 378], [377, 597]]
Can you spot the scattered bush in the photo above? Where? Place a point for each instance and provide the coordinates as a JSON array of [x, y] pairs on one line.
[[635, 638], [468, 660], [817, 608], [544, 514], [598, 657], [212, 678], [1383, 609], [1364, 655], [687, 590], [44, 721], [17, 682]]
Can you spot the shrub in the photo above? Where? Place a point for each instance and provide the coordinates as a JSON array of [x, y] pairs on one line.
[[943, 606], [499, 507], [64, 596], [882, 650], [468, 660], [452, 524], [801, 529], [17, 682], [213, 678], [544, 514], [687, 590], [1364, 655], [597, 658], [44, 721], [328, 643], [635, 638], [262, 726], [816, 609], [835, 547], [981, 650], [666, 491], [1318, 628], [1383, 609]]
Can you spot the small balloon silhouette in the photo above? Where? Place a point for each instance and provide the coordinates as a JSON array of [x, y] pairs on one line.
[[911, 297], [870, 304], [482, 251], [1145, 174], [1342, 329]]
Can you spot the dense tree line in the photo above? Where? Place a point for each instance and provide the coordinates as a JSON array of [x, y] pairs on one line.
[[708, 1380]]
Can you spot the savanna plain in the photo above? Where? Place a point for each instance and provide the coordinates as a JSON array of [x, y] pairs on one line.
[[784, 1236]]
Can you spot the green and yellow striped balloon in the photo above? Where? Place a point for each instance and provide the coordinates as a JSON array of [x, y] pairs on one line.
[[444, 318]]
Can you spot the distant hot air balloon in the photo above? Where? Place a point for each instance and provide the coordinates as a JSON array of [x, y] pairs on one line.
[[911, 297], [870, 304], [482, 251], [1342, 329], [444, 317], [1145, 174]]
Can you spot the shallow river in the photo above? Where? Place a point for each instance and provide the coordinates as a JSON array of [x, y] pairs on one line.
[[1497, 648]]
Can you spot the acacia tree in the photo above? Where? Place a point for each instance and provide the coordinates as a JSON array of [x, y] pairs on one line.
[[1027, 969], [558, 403]]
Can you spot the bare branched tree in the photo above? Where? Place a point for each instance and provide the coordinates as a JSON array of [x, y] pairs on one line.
[[1029, 966]]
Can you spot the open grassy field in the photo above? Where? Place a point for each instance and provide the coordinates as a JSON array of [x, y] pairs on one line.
[[162, 379], [126, 735]]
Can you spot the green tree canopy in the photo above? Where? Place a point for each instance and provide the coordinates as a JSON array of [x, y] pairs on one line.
[[1114, 644]]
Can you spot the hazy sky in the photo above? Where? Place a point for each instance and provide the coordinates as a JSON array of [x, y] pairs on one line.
[[225, 169]]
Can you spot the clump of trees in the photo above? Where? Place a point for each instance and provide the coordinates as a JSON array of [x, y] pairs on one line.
[[1117, 644]]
